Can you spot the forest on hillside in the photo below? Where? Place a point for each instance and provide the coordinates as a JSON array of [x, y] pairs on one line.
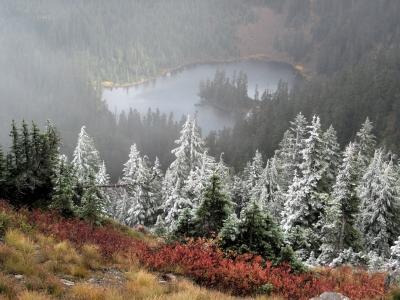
[[52, 71]]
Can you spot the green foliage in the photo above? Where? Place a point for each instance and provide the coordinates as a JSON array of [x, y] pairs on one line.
[[91, 203], [64, 189], [30, 166], [256, 232], [266, 289], [213, 210], [186, 226]]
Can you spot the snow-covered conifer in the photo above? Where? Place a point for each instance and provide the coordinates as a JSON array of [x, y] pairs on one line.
[[365, 142], [144, 208], [379, 219], [340, 231], [86, 158]]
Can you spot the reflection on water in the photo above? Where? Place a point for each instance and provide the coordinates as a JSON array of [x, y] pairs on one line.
[[178, 93]]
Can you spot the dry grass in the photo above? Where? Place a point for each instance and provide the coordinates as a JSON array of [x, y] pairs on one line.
[[33, 296], [91, 256], [43, 261], [144, 285], [19, 253]]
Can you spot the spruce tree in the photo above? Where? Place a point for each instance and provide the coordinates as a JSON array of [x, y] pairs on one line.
[[239, 194], [286, 163], [331, 157], [3, 174], [229, 232], [299, 130], [213, 210], [188, 157], [156, 184], [307, 196], [365, 142], [379, 219], [185, 226], [92, 205], [130, 175], [257, 233], [144, 208], [64, 188], [86, 158], [340, 231]]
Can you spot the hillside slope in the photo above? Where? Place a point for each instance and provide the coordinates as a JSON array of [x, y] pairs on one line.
[[44, 256]]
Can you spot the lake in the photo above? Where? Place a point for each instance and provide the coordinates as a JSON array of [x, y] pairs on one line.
[[178, 93]]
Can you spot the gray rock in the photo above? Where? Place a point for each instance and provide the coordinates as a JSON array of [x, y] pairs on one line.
[[67, 282], [19, 276], [330, 296]]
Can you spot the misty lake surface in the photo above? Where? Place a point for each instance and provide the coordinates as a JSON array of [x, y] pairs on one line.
[[178, 92]]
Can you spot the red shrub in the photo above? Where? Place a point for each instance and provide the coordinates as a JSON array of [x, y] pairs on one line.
[[202, 261]]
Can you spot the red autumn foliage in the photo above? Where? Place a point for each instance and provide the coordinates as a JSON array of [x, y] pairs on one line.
[[205, 263]]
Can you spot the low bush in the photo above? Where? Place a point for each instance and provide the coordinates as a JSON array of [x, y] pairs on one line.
[[206, 264]]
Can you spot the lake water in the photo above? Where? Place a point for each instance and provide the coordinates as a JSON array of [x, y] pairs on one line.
[[178, 93]]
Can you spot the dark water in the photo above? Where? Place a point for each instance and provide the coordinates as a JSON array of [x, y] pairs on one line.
[[177, 93]]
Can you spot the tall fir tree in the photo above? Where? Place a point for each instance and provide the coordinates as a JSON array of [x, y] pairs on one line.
[[256, 232], [64, 188], [379, 218], [188, 156], [213, 210], [307, 196], [365, 142], [86, 158], [340, 230], [331, 156], [130, 179], [144, 208], [92, 204]]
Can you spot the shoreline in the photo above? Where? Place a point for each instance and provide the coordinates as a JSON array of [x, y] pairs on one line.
[[298, 68]]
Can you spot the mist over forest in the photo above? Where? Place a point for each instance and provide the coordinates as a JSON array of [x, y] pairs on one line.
[[228, 121]]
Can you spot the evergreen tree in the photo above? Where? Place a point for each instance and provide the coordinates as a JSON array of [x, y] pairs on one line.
[[379, 219], [340, 231], [86, 158], [331, 157], [256, 232], [299, 131], [198, 179], [176, 204], [92, 205], [253, 171], [130, 179], [229, 232], [286, 164], [267, 191], [156, 183], [365, 142], [188, 157], [238, 194], [64, 188], [213, 210], [102, 178], [186, 225], [307, 196], [31, 165], [3, 174], [144, 208]]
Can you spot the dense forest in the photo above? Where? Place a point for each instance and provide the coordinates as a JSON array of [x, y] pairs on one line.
[[309, 201], [54, 70]]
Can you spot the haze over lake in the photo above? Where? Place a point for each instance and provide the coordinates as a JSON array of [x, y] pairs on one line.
[[178, 93]]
